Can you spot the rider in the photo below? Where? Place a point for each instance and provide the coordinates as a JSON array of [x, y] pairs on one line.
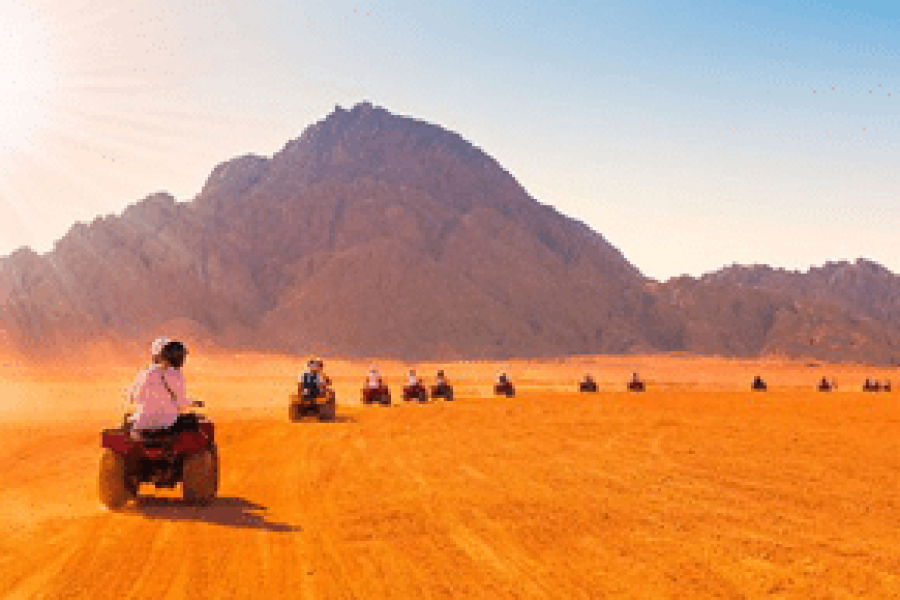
[[413, 386], [588, 384], [311, 384], [442, 387], [374, 385], [159, 391], [441, 380]]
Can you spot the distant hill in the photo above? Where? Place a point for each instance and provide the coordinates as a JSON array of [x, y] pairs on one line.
[[839, 312], [374, 234]]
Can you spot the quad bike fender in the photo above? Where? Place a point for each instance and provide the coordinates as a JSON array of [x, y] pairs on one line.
[[209, 430], [191, 442], [116, 440]]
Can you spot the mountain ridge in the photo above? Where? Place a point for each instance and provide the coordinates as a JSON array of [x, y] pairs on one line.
[[373, 234]]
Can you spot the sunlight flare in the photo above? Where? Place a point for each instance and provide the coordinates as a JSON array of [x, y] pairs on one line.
[[28, 78]]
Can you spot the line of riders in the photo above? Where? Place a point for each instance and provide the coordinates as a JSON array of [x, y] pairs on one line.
[[164, 443], [828, 385], [314, 384]]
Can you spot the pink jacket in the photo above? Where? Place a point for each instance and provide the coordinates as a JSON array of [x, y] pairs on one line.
[[156, 409]]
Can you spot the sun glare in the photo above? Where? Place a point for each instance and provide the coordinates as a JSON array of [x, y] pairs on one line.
[[26, 75]]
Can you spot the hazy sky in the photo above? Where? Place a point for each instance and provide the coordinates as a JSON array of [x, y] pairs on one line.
[[691, 138]]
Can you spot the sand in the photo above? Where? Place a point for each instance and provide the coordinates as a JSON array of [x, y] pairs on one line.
[[697, 488]]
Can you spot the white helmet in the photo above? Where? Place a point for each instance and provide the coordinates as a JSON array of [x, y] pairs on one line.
[[157, 346]]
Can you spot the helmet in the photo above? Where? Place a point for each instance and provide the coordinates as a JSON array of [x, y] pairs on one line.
[[174, 353], [157, 346]]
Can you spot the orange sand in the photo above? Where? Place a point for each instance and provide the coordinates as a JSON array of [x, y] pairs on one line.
[[696, 488]]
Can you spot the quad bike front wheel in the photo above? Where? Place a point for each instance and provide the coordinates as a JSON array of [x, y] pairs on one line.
[[328, 410], [114, 488], [295, 411], [201, 477]]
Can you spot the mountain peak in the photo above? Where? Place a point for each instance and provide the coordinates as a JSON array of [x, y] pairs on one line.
[[374, 234]]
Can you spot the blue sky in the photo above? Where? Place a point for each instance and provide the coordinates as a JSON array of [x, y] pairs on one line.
[[691, 135]]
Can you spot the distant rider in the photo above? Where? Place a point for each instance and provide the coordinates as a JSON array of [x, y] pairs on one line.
[[412, 380], [311, 383], [414, 389], [159, 391], [588, 384], [442, 388], [374, 389]]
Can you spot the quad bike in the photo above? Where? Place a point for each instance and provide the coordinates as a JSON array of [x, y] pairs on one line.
[[184, 453], [442, 391], [323, 407], [416, 393], [380, 395], [505, 388], [587, 386], [636, 386], [873, 386], [758, 385]]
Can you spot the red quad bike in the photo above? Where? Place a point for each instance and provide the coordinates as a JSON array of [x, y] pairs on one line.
[[588, 386], [504, 388], [416, 393], [380, 395], [444, 391], [185, 453], [636, 386], [758, 385]]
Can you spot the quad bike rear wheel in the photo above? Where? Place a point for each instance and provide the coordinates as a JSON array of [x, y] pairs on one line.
[[201, 477], [115, 490]]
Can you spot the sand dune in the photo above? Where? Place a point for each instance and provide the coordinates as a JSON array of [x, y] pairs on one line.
[[694, 489]]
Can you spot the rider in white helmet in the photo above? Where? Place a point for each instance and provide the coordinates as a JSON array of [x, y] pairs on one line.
[[159, 391]]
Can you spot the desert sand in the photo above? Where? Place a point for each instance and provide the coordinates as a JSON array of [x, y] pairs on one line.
[[696, 488]]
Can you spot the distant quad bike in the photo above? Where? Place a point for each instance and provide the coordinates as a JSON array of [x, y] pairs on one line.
[[185, 453], [504, 388], [758, 385], [322, 407], [415, 393], [636, 386], [442, 392], [588, 386], [873, 386], [380, 395], [824, 386]]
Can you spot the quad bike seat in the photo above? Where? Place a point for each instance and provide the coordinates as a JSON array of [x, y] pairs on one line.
[[157, 437], [167, 435]]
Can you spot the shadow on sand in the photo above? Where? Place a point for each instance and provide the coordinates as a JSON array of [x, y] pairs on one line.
[[336, 420], [230, 512]]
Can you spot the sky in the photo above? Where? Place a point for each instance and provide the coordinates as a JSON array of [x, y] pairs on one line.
[[690, 135]]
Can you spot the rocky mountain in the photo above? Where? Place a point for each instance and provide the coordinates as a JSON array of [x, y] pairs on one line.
[[840, 312], [374, 234]]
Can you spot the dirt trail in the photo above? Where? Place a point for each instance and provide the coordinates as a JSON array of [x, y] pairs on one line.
[[665, 494]]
